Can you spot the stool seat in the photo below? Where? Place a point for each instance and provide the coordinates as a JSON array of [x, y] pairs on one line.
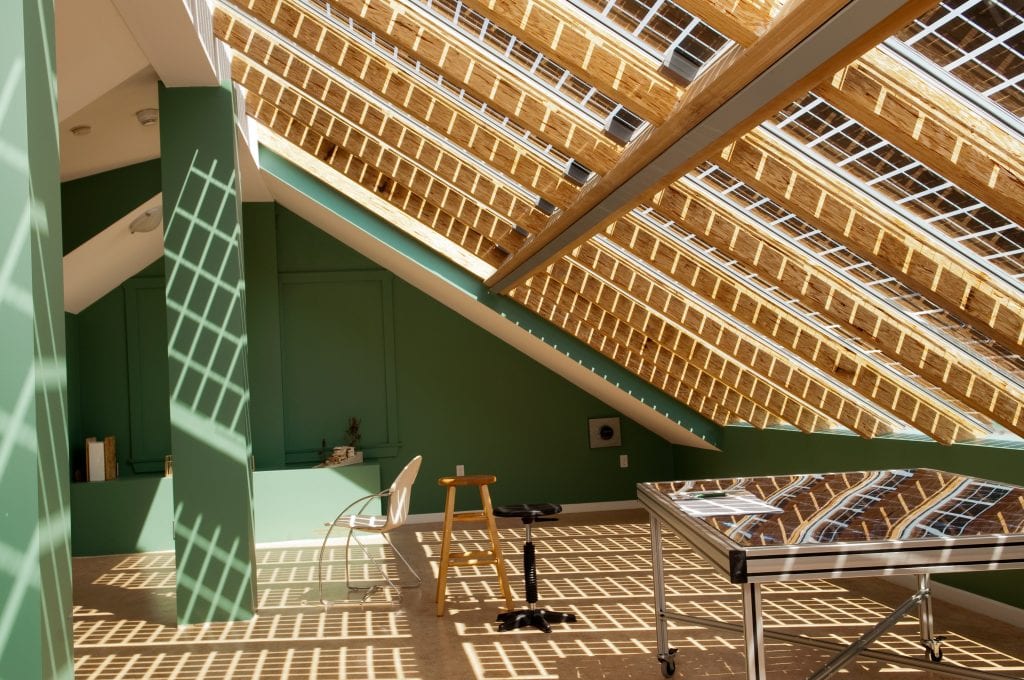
[[467, 480], [528, 511]]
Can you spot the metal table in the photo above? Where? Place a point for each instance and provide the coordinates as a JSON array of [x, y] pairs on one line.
[[838, 525]]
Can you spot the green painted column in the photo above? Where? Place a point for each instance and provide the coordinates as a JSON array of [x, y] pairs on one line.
[[207, 356], [35, 550]]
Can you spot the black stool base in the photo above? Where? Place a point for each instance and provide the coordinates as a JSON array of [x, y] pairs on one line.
[[538, 618]]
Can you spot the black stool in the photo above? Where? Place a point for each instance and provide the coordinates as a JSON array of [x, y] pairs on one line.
[[531, 616]]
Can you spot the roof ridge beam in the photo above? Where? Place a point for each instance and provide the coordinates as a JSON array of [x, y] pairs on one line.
[[808, 42], [572, 38], [822, 197], [896, 335], [480, 138], [935, 126], [440, 47], [721, 332], [681, 381], [799, 336]]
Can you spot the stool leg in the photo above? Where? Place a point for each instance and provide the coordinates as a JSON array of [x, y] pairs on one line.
[[499, 561], [531, 616], [446, 545]]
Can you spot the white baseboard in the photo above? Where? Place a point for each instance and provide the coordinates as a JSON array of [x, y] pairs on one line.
[[567, 508], [968, 600]]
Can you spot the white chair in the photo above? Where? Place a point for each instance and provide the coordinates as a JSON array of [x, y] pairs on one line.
[[398, 511]]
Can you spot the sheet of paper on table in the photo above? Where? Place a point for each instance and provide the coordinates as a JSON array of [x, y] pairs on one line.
[[732, 503]]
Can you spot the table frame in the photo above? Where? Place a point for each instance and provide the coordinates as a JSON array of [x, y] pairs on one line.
[[748, 567]]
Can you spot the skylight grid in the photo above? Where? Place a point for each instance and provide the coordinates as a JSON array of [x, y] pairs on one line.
[[837, 257], [967, 222], [412, 67], [981, 42], [530, 63], [405, 119], [658, 25]]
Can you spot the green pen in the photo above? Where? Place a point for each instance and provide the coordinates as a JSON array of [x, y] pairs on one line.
[[706, 494]]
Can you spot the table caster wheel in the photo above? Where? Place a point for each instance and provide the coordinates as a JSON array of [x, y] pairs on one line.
[[934, 649], [668, 663]]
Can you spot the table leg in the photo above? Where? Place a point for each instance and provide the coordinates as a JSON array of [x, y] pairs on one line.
[[666, 656], [932, 643], [753, 631]]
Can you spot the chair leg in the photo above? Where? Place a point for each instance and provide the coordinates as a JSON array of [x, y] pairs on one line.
[[419, 581], [320, 565]]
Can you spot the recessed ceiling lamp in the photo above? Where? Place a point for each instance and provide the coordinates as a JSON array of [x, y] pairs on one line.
[[81, 130], [147, 221], [147, 117]]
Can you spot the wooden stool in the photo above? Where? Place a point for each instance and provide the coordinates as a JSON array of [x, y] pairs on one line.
[[472, 558]]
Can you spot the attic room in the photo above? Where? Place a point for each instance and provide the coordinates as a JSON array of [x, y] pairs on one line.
[[623, 264]]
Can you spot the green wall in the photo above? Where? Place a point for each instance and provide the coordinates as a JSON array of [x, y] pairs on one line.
[[339, 337], [750, 452]]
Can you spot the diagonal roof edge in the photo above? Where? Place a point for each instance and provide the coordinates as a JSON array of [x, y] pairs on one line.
[[353, 224]]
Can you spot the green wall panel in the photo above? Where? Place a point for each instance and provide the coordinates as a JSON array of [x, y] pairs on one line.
[[35, 564], [750, 452]]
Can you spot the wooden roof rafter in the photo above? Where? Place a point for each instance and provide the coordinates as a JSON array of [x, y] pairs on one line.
[[414, 179], [374, 180], [743, 21], [572, 38], [805, 44], [440, 191], [821, 289], [440, 48], [762, 373], [276, 78], [392, 87], [587, 272], [933, 125], [603, 332], [759, 313], [874, 232]]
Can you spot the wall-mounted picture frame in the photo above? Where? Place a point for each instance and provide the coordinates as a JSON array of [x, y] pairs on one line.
[[604, 432]]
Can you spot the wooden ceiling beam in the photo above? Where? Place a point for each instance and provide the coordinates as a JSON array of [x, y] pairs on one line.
[[575, 41], [374, 180], [749, 306], [960, 374], [387, 128], [804, 45], [555, 303], [934, 126], [742, 21], [477, 137], [657, 338], [352, 142], [720, 332], [442, 192], [702, 339], [440, 48], [609, 336], [905, 251]]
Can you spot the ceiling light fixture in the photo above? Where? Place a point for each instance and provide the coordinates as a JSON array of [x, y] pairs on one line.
[[81, 130], [147, 117], [147, 221]]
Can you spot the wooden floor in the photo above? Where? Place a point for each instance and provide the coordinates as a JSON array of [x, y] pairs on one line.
[[595, 565]]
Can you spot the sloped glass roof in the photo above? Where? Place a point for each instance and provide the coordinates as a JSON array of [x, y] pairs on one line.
[[851, 258]]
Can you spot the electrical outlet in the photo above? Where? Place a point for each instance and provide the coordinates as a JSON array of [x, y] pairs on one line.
[[623, 460], [460, 470]]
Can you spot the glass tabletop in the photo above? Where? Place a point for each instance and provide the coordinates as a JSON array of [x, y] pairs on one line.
[[847, 507]]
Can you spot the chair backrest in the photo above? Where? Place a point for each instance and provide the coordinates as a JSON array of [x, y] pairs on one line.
[[401, 492]]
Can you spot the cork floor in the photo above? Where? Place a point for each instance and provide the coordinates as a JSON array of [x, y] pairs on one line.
[[595, 565]]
